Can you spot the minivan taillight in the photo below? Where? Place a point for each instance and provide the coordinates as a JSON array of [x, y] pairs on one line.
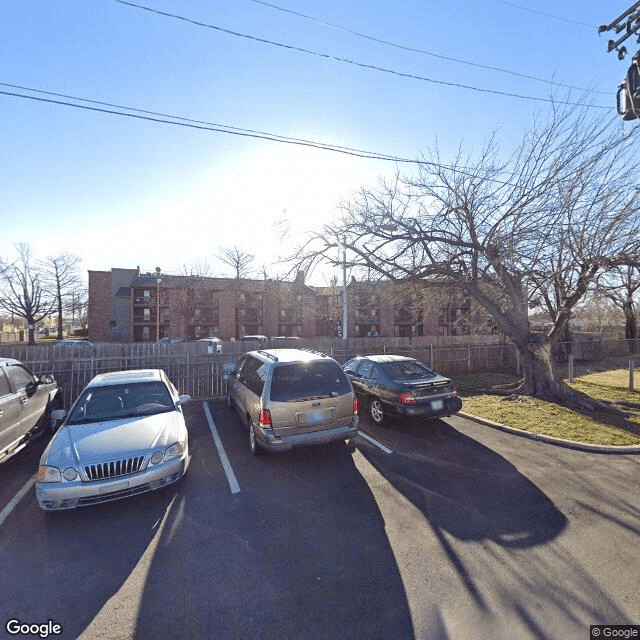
[[265, 418], [356, 406]]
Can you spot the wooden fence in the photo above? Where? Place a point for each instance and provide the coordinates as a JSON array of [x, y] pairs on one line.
[[196, 369]]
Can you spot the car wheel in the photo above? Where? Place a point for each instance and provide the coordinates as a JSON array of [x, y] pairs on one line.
[[47, 425], [376, 411], [254, 447]]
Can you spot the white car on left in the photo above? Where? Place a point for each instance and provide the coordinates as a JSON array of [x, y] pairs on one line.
[[124, 435]]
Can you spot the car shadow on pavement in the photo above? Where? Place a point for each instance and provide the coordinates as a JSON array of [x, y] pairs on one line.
[[78, 560], [300, 552]]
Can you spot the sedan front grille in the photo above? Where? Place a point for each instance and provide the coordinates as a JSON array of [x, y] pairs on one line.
[[113, 468]]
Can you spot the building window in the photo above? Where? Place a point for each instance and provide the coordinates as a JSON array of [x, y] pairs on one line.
[[145, 333], [147, 314]]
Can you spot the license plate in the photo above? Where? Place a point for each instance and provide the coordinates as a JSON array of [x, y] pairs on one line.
[[313, 417], [114, 487], [436, 405]]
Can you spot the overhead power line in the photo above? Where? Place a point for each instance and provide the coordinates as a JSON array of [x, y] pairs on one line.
[[363, 65], [161, 118], [422, 51], [548, 15]]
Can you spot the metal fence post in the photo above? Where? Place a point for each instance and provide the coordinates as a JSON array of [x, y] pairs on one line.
[[631, 367], [571, 367]]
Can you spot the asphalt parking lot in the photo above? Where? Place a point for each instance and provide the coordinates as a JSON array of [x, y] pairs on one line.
[[442, 530]]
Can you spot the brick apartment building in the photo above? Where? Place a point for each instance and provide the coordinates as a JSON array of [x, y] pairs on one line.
[[128, 306]]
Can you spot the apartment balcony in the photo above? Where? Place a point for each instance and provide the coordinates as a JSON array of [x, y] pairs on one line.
[[144, 302]]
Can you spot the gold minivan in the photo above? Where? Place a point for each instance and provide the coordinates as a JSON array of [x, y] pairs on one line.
[[291, 398]]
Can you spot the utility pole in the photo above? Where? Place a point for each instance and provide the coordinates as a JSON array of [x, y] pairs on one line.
[[628, 96]]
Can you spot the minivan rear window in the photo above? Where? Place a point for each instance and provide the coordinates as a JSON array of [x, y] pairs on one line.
[[303, 380]]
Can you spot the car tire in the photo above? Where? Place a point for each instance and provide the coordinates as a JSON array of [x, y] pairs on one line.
[[376, 411], [47, 427], [254, 447]]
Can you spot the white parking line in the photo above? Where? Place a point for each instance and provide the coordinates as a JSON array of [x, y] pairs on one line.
[[375, 442], [13, 503], [231, 477]]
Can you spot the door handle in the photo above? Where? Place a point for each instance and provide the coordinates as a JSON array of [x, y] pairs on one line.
[[24, 400]]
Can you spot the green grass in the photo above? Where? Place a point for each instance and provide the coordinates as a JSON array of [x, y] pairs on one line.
[[538, 416]]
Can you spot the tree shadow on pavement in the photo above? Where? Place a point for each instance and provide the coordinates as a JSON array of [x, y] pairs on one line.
[[500, 534]]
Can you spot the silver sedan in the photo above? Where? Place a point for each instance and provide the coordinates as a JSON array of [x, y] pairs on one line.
[[124, 435]]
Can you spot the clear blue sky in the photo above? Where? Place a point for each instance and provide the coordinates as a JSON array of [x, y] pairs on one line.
[[120, 191]]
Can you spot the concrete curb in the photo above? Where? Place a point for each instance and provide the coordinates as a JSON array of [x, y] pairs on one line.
[[569, 444]]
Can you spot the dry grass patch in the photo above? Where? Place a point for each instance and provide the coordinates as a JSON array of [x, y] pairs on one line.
[[538, 416]]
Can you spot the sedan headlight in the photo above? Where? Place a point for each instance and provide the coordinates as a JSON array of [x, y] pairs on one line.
[[157, 457], [175, 450], [48, 474]]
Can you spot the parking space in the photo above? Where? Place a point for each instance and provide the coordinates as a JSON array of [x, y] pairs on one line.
[[438, 530]]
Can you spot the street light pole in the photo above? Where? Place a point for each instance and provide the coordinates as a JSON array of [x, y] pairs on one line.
[[158, 280], [344, 288]]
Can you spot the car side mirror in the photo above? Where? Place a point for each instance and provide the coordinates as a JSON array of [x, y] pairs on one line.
[[183, 400], [58, 414], [47, 378]]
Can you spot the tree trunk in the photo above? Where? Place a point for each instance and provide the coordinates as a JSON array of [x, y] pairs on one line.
[[540, 381]]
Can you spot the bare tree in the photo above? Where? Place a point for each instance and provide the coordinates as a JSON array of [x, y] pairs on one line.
[[189, 295], [24, 292], [77, 306], [598, 314], [560, 210], [240, 261], [60, 273], [620, 285]]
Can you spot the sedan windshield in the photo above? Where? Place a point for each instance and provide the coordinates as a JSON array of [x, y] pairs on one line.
[[121, 401], [407, 370]]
